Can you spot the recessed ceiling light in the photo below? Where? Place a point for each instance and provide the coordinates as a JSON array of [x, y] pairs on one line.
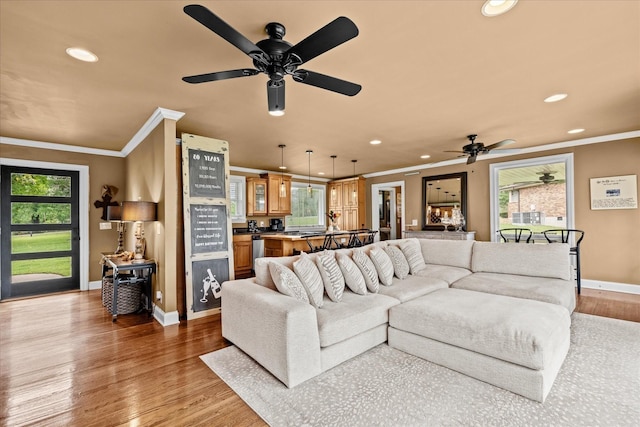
[[282, 167], [375, 142], [555, 98], [497, 7], [82, 54], [425, 156], [320, 173], [576, 131]]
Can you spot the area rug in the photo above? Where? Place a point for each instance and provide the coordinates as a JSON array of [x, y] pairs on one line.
[[599, 384]]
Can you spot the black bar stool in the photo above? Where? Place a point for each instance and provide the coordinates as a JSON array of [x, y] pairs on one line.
[[517, 234], [565, 235]]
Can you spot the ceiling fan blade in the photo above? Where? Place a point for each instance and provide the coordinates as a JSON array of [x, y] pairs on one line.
[[224, 30], [471, 159], [500, 144], [221, 75], [275, 95], [454, 151], [326, 82], [326, 38]]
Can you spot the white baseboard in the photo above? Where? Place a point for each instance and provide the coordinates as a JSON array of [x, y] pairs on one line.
[[611, 286], [96, 284], [165, 319]]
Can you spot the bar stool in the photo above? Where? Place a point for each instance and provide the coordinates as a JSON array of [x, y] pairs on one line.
[[566, 234], [517, 234]]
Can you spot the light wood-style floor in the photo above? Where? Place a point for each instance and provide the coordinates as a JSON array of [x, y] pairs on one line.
[[64, 363]]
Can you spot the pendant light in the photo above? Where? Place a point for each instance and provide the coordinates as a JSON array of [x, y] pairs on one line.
[[355, 186], [309, 189], [283, 188], [333, 177]]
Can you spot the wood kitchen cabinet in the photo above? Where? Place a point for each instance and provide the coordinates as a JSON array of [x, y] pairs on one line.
[[242, 255], [256, 196], [348, 199], [277, 204]]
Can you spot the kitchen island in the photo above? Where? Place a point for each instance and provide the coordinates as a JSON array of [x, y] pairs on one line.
[[285, 244]]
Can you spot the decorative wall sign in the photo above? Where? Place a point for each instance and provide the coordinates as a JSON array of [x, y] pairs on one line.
[[207, 223], [206, 174], [208, 228], [207, 277], [614, 192]]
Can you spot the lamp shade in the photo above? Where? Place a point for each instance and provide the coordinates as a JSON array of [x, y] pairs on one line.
[[139, 211], [114, 213]]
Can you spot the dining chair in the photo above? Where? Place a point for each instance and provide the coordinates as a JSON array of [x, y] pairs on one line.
[[514, 234], [567, 235]]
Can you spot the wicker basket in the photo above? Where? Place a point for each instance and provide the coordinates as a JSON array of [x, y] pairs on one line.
[[128, 295]]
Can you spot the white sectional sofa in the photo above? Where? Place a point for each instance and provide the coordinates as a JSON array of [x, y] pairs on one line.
[[495, 311]]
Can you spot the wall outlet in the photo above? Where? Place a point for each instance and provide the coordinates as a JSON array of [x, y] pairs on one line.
[[158, 295], [105, 226], [414, 222]]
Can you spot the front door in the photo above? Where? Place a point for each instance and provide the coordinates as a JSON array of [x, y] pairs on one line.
[[40, 249]]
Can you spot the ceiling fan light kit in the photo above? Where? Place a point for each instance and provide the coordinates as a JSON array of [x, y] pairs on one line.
[[277, 58]]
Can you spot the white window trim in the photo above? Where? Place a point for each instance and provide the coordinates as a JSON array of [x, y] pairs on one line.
[[495, 168], [242, 201]]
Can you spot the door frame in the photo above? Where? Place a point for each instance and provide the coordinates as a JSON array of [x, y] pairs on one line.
[[375, 214], [83, 207]]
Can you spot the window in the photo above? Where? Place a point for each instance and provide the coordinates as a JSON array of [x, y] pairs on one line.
[[307, 210], [533, 193], [237, 191]]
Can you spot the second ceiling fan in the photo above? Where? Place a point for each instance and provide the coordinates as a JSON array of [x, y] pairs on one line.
[[277, 58], [473, 149]]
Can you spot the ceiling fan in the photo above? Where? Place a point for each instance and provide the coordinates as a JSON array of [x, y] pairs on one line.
[[545, 178], [277, 58], [473, 149]]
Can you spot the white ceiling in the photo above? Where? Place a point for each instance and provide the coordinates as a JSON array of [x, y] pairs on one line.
[[431, 71]]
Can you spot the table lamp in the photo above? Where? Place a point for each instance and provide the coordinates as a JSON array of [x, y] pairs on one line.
[[139, 212], [114, 214]]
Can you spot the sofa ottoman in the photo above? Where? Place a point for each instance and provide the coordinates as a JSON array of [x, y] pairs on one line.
[[512, 343]]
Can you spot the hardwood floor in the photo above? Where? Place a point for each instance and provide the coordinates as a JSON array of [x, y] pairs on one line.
[[63, 362]]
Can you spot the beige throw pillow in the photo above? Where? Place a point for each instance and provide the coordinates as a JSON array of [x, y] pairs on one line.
[[309, 275], [368, 270], [400, 264], [331, 275], [352, 274], [383, 265], [287, 282], [413, 253]]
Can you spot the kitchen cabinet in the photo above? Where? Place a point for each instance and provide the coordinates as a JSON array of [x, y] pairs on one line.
[[242, 255], [348, 200], [276, 203], [256, 196]]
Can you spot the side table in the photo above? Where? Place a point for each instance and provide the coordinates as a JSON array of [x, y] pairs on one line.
[[138, 272]]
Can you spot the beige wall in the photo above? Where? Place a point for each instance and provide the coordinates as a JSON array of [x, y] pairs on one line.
[[609, 251], [151, 176], [102, 170]]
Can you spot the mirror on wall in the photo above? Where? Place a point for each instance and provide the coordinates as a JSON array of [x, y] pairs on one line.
[[440, 195]]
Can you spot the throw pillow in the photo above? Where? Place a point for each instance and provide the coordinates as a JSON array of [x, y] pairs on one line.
[[352, 274], [331, 275], [368, 270], [400, 264], [309, 275], [287, 282], [413, 253], [383, 265]]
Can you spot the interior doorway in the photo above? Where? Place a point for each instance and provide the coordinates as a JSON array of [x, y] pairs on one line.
[[387, 207], [44, 243]]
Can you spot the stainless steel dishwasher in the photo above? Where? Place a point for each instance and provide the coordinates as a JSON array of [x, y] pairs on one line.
[[258, 249]]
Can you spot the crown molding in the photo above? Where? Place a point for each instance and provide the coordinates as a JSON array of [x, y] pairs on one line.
[[156, 118], [547, 147]]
